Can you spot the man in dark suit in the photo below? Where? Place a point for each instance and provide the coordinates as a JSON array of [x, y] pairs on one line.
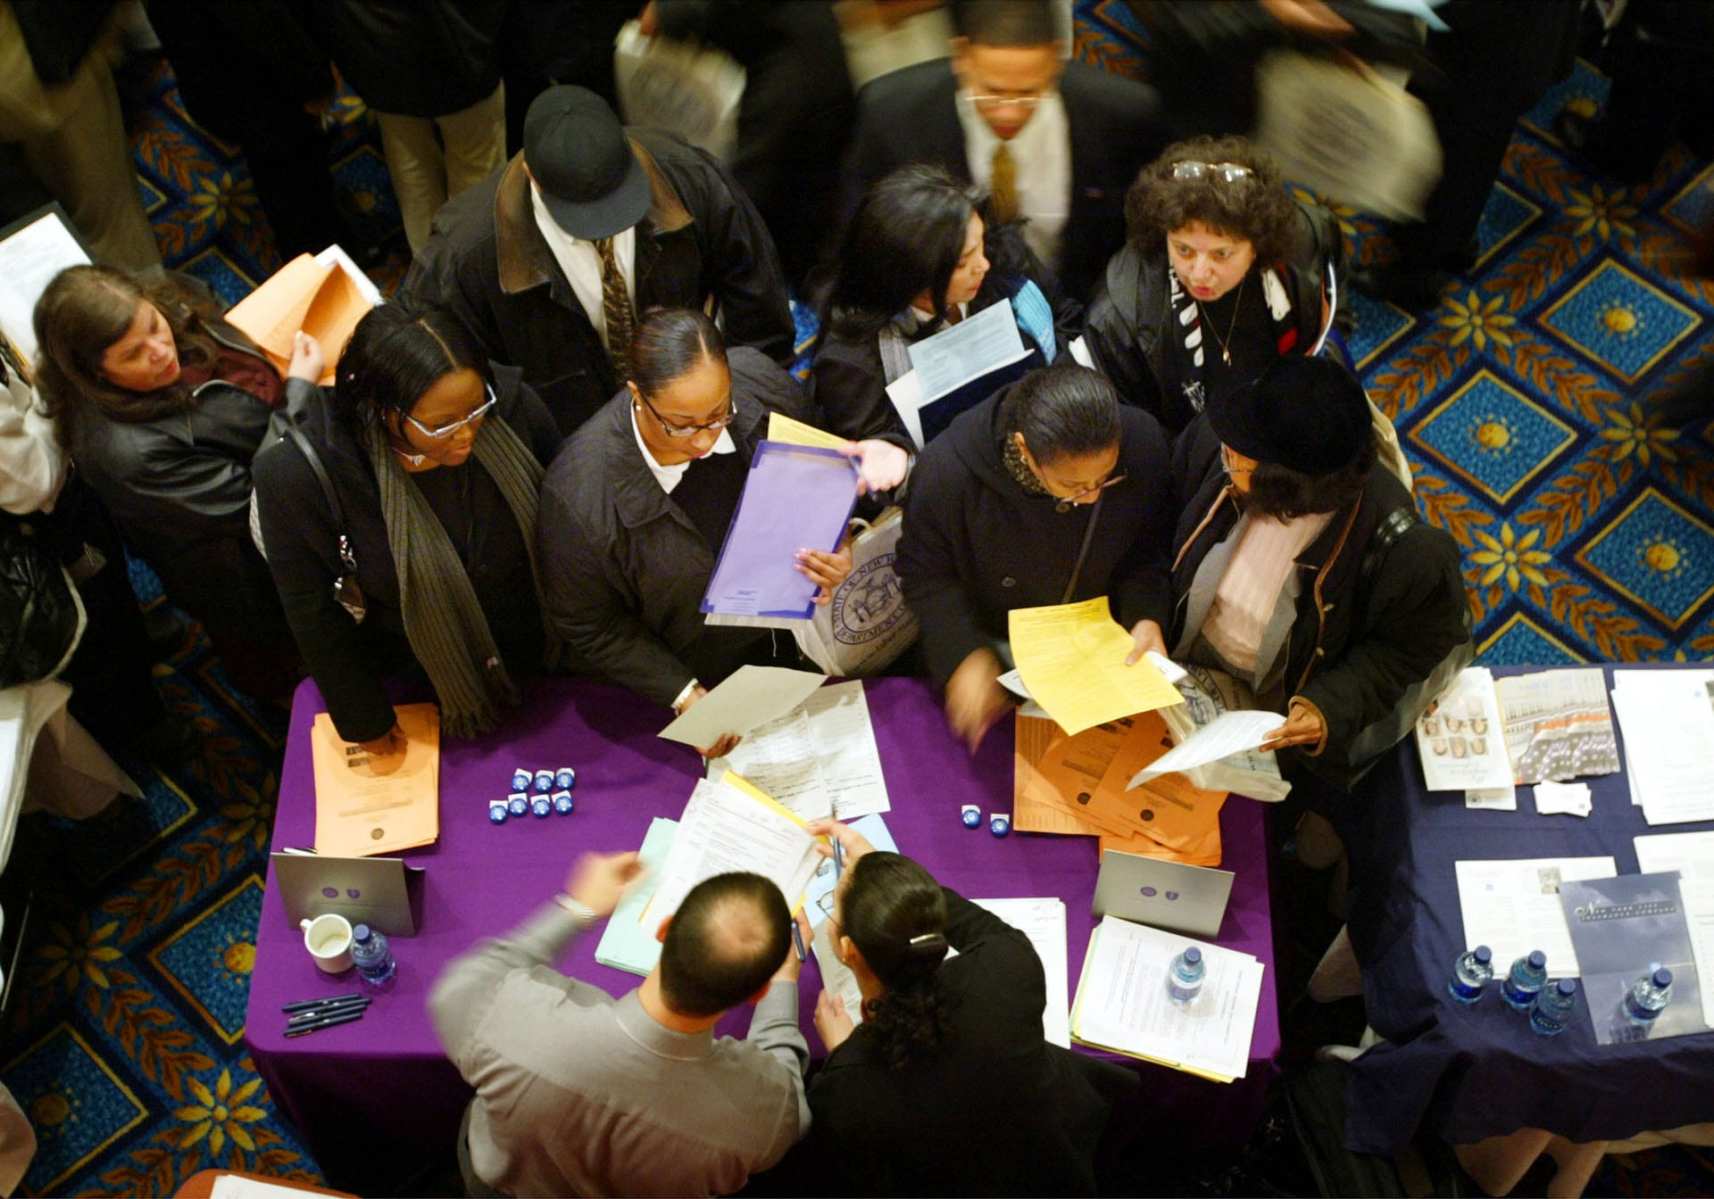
[[1056, 142]]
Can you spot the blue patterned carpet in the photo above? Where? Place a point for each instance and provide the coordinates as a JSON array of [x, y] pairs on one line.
[[1587, 530]]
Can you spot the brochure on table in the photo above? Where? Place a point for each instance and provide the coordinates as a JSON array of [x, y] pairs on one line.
[[1667, 717], [1461, 737], [1512, 906], [1692, 855], [1624, 928]]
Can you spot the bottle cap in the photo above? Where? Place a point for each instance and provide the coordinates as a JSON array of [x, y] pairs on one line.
[[563, 803], [521, 779], [360, 933], [497, 811], [1537, 960], [1567, 987], [1483, 954], [1663, 977], [517, 803], [1193, 955], [544, 781], [541, 806], [971, 815], [999, 823], [565, 778]]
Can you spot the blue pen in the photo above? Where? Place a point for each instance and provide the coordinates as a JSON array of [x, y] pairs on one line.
[[797, 942], [838, 856]]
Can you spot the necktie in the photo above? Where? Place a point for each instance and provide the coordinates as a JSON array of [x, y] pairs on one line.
[[1003, 185], [615, 308]]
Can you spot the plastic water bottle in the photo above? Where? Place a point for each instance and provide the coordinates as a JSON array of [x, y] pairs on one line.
[[1528, 977], [1648, 997], [372, 957], [1184, 979], [1471, 974], [1553, 1008]]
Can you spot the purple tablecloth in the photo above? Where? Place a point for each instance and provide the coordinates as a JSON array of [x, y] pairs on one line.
[[368, 1097], [1469, 1073]]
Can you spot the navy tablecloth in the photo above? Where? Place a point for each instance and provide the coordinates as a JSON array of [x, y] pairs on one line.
[[1467, 1073]]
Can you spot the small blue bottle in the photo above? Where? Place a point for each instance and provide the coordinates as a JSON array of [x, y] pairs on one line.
[[372, 957], [1648, 997], [1553, 1008], [1184, 977], [1471, 974], [1528, 977]]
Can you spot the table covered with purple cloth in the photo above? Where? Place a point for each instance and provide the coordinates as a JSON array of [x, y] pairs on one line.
[[1469, 1073], [376, 1097]]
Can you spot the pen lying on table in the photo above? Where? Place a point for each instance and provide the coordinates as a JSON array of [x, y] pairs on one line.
[[310, 1014], [341, 1016]]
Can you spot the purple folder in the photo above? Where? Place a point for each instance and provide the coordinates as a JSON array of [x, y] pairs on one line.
[[796, 496]]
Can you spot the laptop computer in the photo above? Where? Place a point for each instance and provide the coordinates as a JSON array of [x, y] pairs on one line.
[[1186, 899]]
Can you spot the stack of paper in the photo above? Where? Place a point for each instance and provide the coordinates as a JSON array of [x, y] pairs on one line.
[[626, 943], [30, 257], [1692, 855], [1122, 1002], [819, 759], [360, 813], [325, 296], [730, 826], [1558, 725], [1461, 737], [1072, 659], [1668, 721], [794, 496], [1512, 906]]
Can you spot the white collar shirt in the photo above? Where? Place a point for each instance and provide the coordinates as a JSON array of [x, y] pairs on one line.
[[581, 262], [1041, 154]]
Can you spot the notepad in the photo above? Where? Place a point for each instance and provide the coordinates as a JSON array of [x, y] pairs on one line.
[[627, 943]]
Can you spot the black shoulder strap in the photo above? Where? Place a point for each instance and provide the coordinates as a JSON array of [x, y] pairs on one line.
[[289, 431], [1393, 526]]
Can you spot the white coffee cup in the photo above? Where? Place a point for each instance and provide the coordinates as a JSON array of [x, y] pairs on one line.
[[328, 939]]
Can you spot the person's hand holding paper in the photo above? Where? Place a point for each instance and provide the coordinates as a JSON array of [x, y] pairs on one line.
[[1082, 667]]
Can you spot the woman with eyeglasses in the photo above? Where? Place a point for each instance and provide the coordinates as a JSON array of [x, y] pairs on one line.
[[1049, 492], [1222, 273], [434, 457], [943, 1083], [919, 257], [636, 507], [162, 404]]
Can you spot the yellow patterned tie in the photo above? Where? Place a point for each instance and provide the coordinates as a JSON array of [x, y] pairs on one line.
[[1003, 185], [615, 308]]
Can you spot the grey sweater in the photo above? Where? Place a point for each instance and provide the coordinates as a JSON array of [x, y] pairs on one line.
[[577, 1093]]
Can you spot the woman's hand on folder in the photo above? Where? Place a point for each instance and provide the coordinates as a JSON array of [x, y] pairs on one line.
[[387, 752], [881, 465], [308, 361], [827, 570], [974, 698]]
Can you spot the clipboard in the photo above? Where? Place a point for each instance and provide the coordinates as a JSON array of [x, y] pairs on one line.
[[384, 893]]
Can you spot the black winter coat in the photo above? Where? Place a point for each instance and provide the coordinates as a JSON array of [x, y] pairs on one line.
[[349, 661], [701, 238], [1366, 630], [975, 545], [623, 567], [414, 58]]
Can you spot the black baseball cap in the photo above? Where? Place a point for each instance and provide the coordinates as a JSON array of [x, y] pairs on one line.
[[577, 152]]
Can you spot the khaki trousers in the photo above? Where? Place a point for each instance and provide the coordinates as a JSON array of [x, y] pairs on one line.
[[432, 159]]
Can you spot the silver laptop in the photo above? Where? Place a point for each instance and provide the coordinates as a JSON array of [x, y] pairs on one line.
[[1186, 899], [373, 891]]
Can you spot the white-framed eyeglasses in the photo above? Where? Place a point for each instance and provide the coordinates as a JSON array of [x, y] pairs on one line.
[[449, 429], [1226, 172]]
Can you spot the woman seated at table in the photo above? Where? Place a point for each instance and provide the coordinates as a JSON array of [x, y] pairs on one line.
[[435, 456], [947, 1086], [636, 506], [918, 257], [1047, 493], [162, 405], [1221, 274], [1303, 571]]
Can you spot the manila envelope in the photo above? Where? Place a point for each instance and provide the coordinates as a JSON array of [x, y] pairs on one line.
[[1203, 852], [321, 299], [359, 813], [1045, 789], [1168, 809]]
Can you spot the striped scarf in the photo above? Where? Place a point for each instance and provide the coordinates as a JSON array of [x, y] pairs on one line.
[[1187, 314], [444, 621]]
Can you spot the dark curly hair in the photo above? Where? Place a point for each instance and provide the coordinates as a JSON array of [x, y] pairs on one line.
[[895, 913], [1257, 209], [1286, 494]]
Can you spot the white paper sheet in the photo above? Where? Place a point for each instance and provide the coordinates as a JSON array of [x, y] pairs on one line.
[[1692, 855], [1122, 1000], [820, 759], [1080, 353], [29, 260], [1562, 799], [982, 342], [906, 394], [1227, 734], [1042, 920], [724, 829], [1497, 799], [1462, 738], [750, 696], [1668, 727], [1511, 905], [780, 757]]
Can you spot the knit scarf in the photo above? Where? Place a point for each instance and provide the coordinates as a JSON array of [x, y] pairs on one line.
[[444, 622], [1187, 316]]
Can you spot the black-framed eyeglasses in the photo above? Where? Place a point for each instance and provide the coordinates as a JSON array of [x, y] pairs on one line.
[[1066, 503], [1027, 100], [1226, 172], [448, 430], [672, 430]]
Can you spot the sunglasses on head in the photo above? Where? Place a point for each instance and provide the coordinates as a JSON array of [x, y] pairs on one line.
[[1226, 172]]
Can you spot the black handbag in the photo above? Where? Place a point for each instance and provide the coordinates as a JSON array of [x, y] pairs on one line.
[[39, 612]]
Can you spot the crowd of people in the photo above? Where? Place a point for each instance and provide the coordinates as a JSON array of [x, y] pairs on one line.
[[528, 460]]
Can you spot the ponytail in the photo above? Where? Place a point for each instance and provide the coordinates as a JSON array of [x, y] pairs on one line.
[[895, 913]]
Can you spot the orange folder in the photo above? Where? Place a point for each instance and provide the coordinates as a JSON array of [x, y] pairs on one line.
[[319, 298], [359, 812], [1168, 809]]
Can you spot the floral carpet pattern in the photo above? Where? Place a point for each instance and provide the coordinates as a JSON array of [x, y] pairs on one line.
[[1586, 524]]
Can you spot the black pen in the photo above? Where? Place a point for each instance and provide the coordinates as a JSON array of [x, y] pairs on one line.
[[332, 1009], [797, 942], [325, 1022], [302, 1004]]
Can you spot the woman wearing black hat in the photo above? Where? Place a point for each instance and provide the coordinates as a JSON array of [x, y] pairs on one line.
[[1049, 492], [947, 1085], [1302, 570]]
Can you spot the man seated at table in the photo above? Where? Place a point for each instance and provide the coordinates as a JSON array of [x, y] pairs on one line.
[[577, 1093]]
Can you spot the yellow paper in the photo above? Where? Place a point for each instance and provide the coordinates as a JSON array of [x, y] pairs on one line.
[[320, 299], [795, 432], [359, 813], [1072, 659]]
